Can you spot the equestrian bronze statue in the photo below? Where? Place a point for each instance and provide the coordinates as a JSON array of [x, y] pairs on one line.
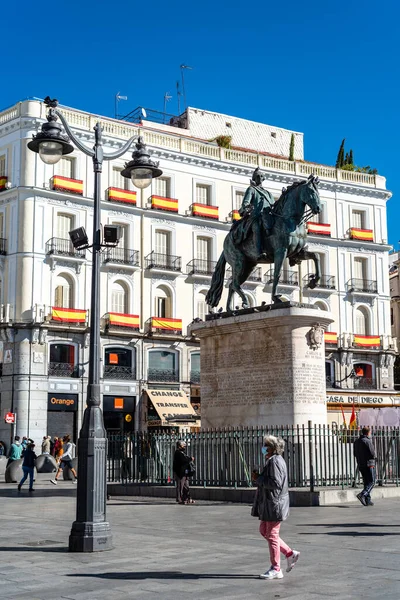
[[268, 232]]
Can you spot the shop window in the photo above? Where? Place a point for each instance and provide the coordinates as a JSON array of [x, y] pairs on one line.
[[62, 362], [163, 366], [119, 363]]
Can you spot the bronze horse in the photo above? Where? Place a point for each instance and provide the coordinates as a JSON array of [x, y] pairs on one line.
[[286, 238]]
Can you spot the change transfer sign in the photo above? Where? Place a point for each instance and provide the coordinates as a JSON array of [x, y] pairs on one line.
[[172, 406]]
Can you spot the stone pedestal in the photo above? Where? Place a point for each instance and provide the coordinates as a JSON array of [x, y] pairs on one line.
[[263, 368]]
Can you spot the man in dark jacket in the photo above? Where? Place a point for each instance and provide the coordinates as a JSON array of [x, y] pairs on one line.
[[181, 473], [365, 456], [28, 467]]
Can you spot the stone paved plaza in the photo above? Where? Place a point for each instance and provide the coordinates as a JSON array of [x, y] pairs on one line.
[[206, 551]]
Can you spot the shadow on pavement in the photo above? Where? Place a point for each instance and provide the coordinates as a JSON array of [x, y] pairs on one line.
[[162, 575], [33, 549], [338, 525], [12, 492], [352, 533]]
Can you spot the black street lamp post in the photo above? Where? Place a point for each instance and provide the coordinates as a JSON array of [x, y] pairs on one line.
[[90, 531]]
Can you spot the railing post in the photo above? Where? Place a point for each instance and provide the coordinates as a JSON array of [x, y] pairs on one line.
[[311, 456]]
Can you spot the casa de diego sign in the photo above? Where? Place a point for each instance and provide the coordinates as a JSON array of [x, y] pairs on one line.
[[373, 400]]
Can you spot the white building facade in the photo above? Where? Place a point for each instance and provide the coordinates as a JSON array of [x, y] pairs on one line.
[[154, 283]]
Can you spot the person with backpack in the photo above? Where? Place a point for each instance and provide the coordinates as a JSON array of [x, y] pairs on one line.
[[66, 460], [28, 467], [183, 469]]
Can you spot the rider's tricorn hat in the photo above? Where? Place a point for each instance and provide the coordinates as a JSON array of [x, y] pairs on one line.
[[257, 173]]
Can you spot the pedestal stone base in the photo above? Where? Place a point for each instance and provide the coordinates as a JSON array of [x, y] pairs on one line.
[[90, 537], [263, 368]]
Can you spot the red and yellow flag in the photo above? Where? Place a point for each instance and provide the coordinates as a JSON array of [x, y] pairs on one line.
[[319, 228], [362, 234], [166, 324], [367, 340], [68, 315], [161, 203], [118, 195], [122, 320], [3, 181], [330, 337], [344, 418], [353, 419], [65, 184], [204, 210]]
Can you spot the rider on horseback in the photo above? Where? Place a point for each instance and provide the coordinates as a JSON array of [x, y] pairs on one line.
[[255, 212]]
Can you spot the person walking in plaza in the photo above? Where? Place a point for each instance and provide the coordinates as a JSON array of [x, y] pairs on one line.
[[365, 455], [2, 449], [65, 460], [28, 467], [46, 444], [182, 471], [15, 450], [271, 506]]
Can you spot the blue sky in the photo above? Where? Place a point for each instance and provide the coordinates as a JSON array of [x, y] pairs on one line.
[[328, 69]]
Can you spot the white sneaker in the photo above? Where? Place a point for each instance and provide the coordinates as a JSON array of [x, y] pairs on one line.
[[272, 574], [292, 560], [74, 481], [53, 481]]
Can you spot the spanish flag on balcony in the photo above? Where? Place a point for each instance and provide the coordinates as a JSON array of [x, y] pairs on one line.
[[205, 210], [119, 195], [330, 337], [362, 234], [367, 341], [64, 184], [166, 324], [68, 315], [161, 203], [122, 320], [3, 181], [235, 215], [353, 419], [319, 228]]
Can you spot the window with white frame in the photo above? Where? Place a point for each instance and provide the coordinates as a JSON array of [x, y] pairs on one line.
[[65, 224], [162, 242], [322, 261], [117, 180], [119, 298], [203, 194], [362, 325], [163, 303], [162, 187], [1, 225], [358, 219], [201, 306], [320, 217], [238, 199], [360, 268], [123, 235], [203, 252], [63, 293], [65, 167], [3, 165]]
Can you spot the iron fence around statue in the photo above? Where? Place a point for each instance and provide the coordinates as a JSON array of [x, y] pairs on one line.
[[316, 456]]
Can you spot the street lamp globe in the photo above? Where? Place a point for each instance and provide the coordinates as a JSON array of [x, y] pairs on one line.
[[50, 152], [141, 169], [141, 177]]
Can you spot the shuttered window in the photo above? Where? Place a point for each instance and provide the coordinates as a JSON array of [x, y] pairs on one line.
[[162, 187], [162, 245], [362, 321], [118, 299], [203, 194], [63, 294], [65, 167], [358, 219], [360, 268], [118, 181], [238, 200], [65, 224], [3, 165]]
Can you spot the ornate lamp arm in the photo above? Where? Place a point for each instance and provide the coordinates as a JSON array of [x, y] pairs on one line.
[[87, 150]]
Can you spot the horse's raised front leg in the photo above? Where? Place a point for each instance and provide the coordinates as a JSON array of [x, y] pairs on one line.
[[314, 256], [279, 257]]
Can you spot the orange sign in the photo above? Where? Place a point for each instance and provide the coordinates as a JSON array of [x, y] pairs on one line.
[[119, 403], [113, 358]]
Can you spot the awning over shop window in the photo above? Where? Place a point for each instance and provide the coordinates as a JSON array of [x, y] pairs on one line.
[[173, 407]]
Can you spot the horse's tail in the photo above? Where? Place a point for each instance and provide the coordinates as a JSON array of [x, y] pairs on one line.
[[217, 283]]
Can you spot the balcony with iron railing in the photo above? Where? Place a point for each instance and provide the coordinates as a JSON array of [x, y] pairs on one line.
[[290, 278], [198, 266], [118, 372], [163, 375], [163, 262], [122, 256], [364, 383], [3, 250], [60, 369], [63, 247], [326, 282], [254, 277], [195, 377], [362, 285]]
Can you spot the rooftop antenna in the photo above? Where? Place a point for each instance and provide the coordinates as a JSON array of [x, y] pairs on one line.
[[178, 95], [183, 67], [117, 99], [167, 98]]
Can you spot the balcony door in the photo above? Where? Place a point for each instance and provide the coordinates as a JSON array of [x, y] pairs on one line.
[[360, 269], [162, 187], [203, 252], [163, 303], [63, 293], [358, 219], [162, 248]]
